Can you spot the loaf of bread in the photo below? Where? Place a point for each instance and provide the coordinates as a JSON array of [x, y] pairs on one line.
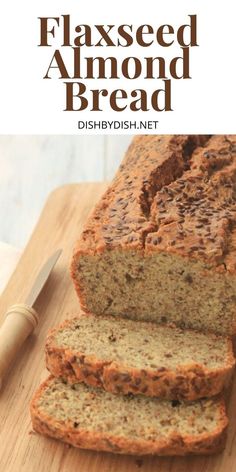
[[91, 418], [125, 356], [161, 244]]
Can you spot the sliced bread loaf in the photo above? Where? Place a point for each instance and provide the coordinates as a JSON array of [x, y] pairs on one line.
[[124, 356], [91, 418]]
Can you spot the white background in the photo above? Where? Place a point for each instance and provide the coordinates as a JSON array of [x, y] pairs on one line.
[[206, 103], [33, 166]]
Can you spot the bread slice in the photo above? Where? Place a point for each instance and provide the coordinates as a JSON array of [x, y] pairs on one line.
[[91, 418], [161, 243], [124, 356]]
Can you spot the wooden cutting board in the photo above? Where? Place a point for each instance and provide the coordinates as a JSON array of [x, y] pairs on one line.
[[21, 450]]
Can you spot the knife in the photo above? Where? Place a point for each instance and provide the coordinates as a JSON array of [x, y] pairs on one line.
[[21, 319]]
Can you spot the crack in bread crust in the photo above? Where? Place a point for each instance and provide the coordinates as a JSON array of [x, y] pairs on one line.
[[124, 216]]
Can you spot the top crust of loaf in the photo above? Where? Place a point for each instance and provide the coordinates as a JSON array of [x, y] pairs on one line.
[[172, 194]]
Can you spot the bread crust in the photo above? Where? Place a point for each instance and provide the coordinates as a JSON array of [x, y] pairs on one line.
[[176, 444], [190, 382], [212, 165]]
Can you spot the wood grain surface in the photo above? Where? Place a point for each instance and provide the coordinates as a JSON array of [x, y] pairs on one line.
[[22, 450]]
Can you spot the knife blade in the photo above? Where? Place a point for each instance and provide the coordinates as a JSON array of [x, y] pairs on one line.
[[21, 319], [42, 278]]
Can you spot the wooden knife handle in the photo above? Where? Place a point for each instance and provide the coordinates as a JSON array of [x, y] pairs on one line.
[[19, 322]]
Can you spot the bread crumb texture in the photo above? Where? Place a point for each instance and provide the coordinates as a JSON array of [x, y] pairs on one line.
[[139, 344]]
